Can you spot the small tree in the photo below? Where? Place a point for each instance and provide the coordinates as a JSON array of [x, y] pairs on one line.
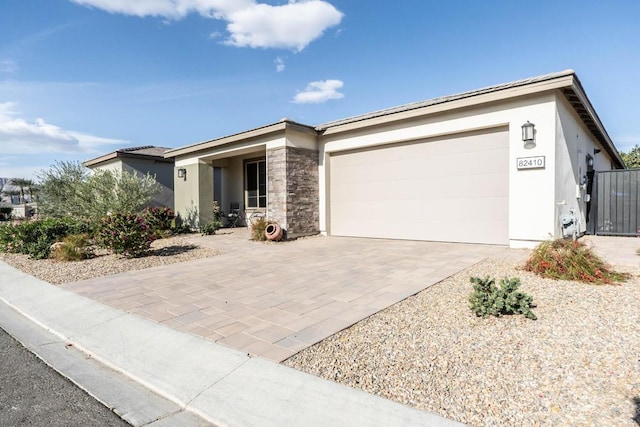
[[59, 187], [632, 158], [67, 189]]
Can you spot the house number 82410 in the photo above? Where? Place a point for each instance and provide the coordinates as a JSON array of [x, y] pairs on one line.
[[530, 162]]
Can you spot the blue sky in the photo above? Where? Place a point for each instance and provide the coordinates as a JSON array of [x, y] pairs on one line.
[[80, 78]]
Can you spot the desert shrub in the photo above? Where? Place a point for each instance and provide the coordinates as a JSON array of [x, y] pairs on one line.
[[125, 234], [159, 219], [488, 299], [34, 238], [217, 213], [74, 247], [68, 189], [180, 228], [257, 229], [211, 228], [571, 260]]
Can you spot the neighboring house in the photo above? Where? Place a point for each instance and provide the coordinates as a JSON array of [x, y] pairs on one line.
[[141, 160], [453, 169], [10, 197]]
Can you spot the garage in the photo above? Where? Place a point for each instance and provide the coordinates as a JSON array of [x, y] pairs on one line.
[[452, 189]]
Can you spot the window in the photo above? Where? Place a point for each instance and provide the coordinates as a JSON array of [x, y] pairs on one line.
[[256, 174]]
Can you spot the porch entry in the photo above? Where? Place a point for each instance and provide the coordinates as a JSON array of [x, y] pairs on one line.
[[614, 207]]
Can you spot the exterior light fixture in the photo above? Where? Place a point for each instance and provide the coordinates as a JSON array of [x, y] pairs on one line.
[[182, 173], [596, 151], [590, 161], [529, 134]]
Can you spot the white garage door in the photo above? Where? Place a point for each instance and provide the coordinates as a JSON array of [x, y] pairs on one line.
[[453, 189]]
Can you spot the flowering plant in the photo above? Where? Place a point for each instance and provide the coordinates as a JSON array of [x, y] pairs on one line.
[[125, 233]]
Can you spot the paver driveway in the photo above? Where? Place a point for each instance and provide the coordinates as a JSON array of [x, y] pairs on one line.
[[275, 299]]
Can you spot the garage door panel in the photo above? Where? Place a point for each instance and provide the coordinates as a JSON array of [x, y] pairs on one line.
[[447, 190]]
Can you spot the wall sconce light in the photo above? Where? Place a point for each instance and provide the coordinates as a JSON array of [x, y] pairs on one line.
[[596, 151], [590, 161], [182, 173], [529, 135]]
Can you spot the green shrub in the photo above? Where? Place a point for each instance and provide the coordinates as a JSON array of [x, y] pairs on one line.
[[487, 299], [69, 189], [571, 260], [180, 228], [159, 219], [74, 247], [125, 234], [217, 213], [257, 229], [211, 228], [34, 238]]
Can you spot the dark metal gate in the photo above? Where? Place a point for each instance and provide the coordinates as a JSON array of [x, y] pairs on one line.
[[613, 210]]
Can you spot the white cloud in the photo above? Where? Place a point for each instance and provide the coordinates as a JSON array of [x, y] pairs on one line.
[[318, 92], [250, 24], [19, 136], [279, 64], [8, 66]]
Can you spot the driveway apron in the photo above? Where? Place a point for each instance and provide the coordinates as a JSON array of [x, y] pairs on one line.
[[275, 299]]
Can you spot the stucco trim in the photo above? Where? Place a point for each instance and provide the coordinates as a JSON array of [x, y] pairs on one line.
[[123, 155], [242, 136]]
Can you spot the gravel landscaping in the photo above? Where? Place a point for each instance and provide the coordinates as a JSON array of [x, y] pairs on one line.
[[577, 365], [163, 251]]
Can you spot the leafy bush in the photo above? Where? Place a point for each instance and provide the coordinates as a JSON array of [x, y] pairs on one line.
[[180, 228], [487, 299], [571, 260], [159, 219], [125, 233], [210, 228], [67, 189], [34, 238], [217, 213], [74, 247], [257, 229]]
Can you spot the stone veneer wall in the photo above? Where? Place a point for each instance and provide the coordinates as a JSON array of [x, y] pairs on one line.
[[293, 193]]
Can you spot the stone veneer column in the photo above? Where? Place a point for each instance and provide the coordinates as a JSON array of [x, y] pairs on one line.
[[293, 191], [277, 185]]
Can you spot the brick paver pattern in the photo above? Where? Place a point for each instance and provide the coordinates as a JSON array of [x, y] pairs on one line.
[[275, 299]]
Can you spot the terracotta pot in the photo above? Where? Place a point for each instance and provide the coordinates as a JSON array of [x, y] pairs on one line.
[[273, 232]]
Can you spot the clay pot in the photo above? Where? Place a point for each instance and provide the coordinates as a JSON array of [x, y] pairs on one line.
[[273, 232]]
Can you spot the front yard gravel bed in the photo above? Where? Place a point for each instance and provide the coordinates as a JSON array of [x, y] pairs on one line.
[[163, 251], [577, 365]]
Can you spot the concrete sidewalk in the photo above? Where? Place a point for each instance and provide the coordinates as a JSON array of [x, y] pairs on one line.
[[151, 374]]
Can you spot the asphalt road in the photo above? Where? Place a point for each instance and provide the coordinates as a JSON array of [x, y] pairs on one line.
[[33, 394]]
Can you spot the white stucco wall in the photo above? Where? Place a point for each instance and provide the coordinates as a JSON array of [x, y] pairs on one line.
[[114, 165], [573, 143]]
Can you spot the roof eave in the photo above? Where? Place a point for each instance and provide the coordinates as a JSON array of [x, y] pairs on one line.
[[101, 159], [577, 97], [123, 155], [461, 101]]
